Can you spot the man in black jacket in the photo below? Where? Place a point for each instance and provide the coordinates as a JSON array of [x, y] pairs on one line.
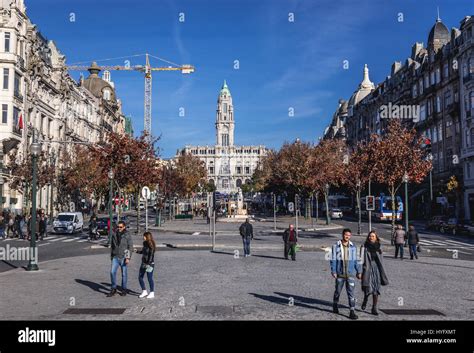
[[290, 237], [122, 247], [246, 231]]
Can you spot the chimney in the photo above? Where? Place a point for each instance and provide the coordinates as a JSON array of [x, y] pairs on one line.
[[395, 67], [415, 50]]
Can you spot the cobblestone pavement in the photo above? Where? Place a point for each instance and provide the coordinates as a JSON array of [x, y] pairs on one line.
[[200, 285]]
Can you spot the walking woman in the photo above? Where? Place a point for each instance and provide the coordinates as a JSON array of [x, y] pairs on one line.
[[147, 265], [373, 273]]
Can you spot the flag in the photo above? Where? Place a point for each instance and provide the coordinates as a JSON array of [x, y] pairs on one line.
[[19, 124]]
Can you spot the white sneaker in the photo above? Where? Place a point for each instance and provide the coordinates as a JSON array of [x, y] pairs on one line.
[[151, 295], [144, 294]]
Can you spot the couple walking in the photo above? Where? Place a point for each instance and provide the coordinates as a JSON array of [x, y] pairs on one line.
[[121, 253], [346, 267]]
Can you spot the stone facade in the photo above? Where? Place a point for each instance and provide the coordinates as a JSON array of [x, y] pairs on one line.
[[434, 88], [39, 97], [228, 166]]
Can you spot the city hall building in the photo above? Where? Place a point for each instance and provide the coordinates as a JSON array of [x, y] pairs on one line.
[[228, 166]]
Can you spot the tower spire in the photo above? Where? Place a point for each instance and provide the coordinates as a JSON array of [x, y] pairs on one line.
[[438, 19]]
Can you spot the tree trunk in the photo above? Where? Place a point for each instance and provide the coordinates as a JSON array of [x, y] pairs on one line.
[[326, 199]]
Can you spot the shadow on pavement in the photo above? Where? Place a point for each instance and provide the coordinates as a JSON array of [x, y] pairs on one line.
[[94, 286], [284, 299], [269, 257]]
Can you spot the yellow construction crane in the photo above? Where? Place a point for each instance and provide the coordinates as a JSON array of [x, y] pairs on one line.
[[147, 69]]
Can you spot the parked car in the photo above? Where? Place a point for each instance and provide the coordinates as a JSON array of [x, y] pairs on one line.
[[68, 222], [335, 213], [436, 222]]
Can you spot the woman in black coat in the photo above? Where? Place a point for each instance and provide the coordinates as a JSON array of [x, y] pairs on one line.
[[148, 265], [373, 273]]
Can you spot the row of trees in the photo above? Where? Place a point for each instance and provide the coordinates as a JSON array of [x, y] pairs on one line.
[[82, 171], [305, 169]]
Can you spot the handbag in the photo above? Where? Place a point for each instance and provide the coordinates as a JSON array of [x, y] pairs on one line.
[[148, 268], [418, 248]]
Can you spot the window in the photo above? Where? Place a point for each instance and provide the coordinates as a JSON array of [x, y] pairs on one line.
[[427, 81], [423, 112], [16, 115], [247, 170], [435, 134], [225, 139], [438, 75], [17, 85], [225, 108], [468, 170], [429, 108], [432, 78], [106, 94], [471, 66], [211, 170], [448, 100], [7, 42], [440, 131], [6, 78], [471, 100], [414, 91], [420, 83], [438, 104], [238, 170], [446, 70], [4, 113]]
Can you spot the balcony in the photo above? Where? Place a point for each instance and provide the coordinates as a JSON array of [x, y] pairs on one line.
[[21, 63]]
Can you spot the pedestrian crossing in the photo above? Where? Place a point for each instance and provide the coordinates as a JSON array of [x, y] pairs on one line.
[[56, 239], [446, 243]]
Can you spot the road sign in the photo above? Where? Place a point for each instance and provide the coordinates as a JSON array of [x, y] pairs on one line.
[[370, 203], [291, 206], [146, 192]]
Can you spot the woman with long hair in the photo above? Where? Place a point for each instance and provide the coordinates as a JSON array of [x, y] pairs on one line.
[[148, 265], [373, 273]]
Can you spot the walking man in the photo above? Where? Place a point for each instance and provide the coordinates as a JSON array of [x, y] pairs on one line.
[[399, 237], [344, 267], [246, 231], [413, 241], [122, 247], [290, 237]]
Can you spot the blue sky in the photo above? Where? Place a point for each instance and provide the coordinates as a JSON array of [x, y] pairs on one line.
[[282, 64]]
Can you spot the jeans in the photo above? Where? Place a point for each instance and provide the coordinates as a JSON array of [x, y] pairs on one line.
[[246, 242], [149, 276], [399, 247], [413, 250], [350, 286], [116, 263]]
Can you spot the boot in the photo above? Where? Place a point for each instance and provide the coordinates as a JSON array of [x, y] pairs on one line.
[[374, 306], [364, 303], [144, 294], [123, 292], [112, 292], [353, 315], [335, 308]]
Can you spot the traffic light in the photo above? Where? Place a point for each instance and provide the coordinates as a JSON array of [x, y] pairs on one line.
[[370, 203]]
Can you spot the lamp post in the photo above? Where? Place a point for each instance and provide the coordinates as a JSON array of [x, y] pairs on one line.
[[33, 262], [359, 216], [1, 193], [274, 212], [110, 174], [405, 180], [328, 219]]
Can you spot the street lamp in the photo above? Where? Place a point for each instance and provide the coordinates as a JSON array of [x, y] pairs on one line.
[[35, 152], [405, 180], [110, 174], [328, 220]]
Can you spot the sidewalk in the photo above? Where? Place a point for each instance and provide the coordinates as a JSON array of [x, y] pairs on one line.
[[200, 285]]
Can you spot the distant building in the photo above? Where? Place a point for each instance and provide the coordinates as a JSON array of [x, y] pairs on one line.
[[228, 166]]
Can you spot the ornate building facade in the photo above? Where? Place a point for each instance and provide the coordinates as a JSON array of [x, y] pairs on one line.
[[40, 98], [437, 81], [228, 166]]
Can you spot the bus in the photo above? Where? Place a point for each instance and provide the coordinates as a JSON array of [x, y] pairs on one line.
[[383, 208]]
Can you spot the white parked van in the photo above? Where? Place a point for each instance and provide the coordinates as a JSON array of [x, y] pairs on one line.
[[68, 222]]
